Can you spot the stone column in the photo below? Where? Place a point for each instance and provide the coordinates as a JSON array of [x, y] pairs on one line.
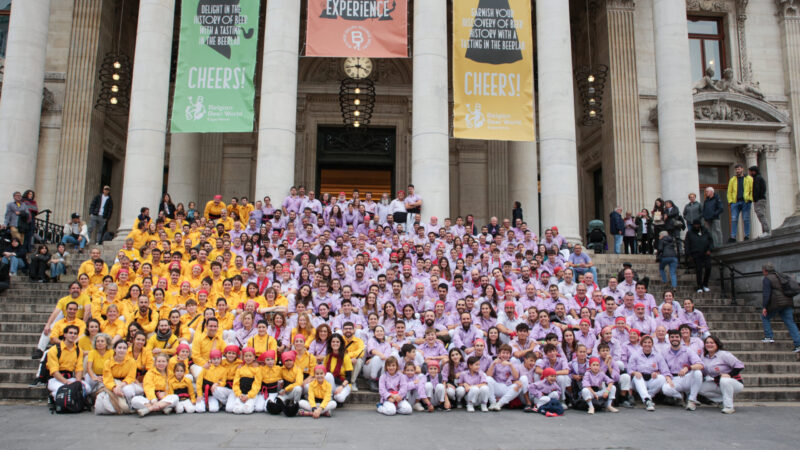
[[559, 175], [277, 121], [676, 136], [789, 19], [430, 155], [184, 168], [21, 104], [776, 192], [622, 123], [147, 120], [523, 183]]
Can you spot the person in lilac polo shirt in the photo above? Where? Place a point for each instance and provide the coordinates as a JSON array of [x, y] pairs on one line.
[[685, 367], [649, 371], [580, 262]]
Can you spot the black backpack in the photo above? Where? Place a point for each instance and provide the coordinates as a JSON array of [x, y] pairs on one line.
[[44, 372], [69, 399], [789, 285]]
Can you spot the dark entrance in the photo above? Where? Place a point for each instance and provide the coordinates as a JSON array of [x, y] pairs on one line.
[[360, 159]]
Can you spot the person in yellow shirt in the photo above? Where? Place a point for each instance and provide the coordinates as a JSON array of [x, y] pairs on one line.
[[225, 319], [65, 361], [119, 380], [123, 282], [292, 377], [85, 342], [262, 341], [225, 220], [270, 379], [160, 303], [338, 368], [93, 367], [181, 385], [203, 343], [88, 266], [211, 390], [319, 401], [304, 328], [195, 277], [71, 318], [75, 296], [141, 355], [354, 347], [157, 394], [145, 316], [176, 284], [138, 239], [244, 209], [163, 341], [113, 325], [214, 208], [303, 360], [246, 384], [231, 362]]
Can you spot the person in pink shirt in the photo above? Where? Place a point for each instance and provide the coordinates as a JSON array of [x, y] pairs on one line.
[[475, 385], [393, 390], [598, 387]]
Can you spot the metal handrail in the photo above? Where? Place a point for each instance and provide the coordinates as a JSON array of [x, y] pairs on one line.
[[46, 231], [733, 271]]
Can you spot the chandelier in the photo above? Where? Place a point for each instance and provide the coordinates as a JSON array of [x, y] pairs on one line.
[[591, 81], [115, 78], [357, 101]]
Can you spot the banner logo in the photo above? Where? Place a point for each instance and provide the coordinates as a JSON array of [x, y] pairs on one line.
[[370, 28]]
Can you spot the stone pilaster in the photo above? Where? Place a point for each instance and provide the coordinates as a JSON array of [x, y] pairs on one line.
[[497, 170], [523, 181], [622, 106], [80, 155], [789, 20], [184, 167], [211, 149]]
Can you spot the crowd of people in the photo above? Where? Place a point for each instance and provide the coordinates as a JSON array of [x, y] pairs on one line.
[[246, 308]]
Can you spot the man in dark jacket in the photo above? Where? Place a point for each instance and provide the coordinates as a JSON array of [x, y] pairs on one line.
[[617, 228], [773, 303], [99, 212], [760, 199], [712, 208], [699, 245]]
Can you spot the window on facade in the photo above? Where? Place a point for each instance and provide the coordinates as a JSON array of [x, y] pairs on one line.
[[5, 13], [713, 175], [706, 46]]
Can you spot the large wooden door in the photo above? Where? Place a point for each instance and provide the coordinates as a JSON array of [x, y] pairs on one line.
[[363, 159]]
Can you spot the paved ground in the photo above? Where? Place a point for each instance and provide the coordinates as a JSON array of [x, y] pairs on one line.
[[32, 427]]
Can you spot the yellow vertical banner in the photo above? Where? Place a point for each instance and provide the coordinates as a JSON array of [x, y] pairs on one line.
[[493, 70]]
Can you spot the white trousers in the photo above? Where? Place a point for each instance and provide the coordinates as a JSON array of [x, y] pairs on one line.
[[389, 408], [306, 406], [587, 395], [456, 394], [689, 384], [372, 368], [503, 394], [625, 382], [341, 396], [294, 395], [545, 399], [563, 382], [724, 392], [237, 406], [184, 406], [215, 399], [435, 393], [648, 389], [102, 405], [478, 395], [140, 401], [261, 402]]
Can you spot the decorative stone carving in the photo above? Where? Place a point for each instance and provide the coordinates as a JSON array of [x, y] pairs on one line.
[[48, 99], [745, 67], [727, 84], [788, 9], [716, 106], [620, 4], [707, 5]]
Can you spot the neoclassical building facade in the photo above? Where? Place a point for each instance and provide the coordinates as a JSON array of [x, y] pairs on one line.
[[693, 87]]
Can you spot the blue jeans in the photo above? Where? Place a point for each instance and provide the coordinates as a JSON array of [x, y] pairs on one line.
[[15, 264], [787, 316], [80, 242], [743, 209], [57, 269], [672, 263], [617, 244]]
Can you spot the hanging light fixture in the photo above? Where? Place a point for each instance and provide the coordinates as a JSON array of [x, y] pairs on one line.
[[357, 101], [115, 78], [591, 80]]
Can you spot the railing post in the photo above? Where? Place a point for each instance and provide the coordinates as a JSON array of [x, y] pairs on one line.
[[722, 277], [733, 286]]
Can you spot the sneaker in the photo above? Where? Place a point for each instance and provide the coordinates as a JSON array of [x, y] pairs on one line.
[[326, 414], [418, 407], [731, 240], [37, 354], [797, 349], [528, 409], [549, 414], [167, 410], [706, 289], [143, 412], [373, 386], [626, 404], [728, 410], [564, 406], [353, 387], [611, 409], [591, 409], [700, 291], [691, 406], [37, 383], [495, 407], [764, 235], [768, 340], [470, 408], [484, 408], [650, 406]]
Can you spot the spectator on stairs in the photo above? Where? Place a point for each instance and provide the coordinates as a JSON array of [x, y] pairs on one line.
[[699, 244], [76, 232], [775, 303]]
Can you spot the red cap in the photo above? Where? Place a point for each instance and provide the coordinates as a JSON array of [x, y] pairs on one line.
[[548, 372], [290, 355], [407, 266], [594, 359], [319, 367], [619, 319], [217, 197], [299, 336], [509, 303], [586, 321], [342, 193], [433, 363], [214, 354], [439, 302], [634, 330], [554, 229], [479, 340], [201, 291], [401, 192], [232, 348], [393, 254], [420, 284], [248, 350], [183, 347], [639, 305]]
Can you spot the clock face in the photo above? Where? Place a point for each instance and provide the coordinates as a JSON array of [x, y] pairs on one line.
[[357, 67]]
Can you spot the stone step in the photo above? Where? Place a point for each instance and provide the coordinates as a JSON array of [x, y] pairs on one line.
[[22, 327], [16, 350], [754, 335], [49, 300], [743, 325], [736, 345], [773, 367], [20, 338], [21, 391], [38, 318], [767, 356], [770, 379], [14, 307], [758, 394], [23, 376], [753, 315], [19, 362]]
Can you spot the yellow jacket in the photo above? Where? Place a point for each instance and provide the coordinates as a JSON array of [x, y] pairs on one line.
[[230, 367], [58, 328], [70, 360], [321, 391], [354, 347], [211, 208], [292, 378], [174, 360], [306, 363], [733, 187], [125, 371], [202, 346], [169, 346], [145, 360], [87, 267], [262, 343], [270, 374], [148, 321], [178, 387], [213, 375], [155, 381], [82, 301], [118, 328], [245, 371], [97, 361]]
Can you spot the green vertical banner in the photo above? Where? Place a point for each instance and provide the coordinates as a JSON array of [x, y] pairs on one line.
[[214, 89]]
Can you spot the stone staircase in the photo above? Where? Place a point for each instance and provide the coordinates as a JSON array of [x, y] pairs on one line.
[[772, 371]]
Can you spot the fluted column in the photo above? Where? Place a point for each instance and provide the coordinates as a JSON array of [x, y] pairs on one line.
[[557, 149], [789, 19], [623, 105], [21, 103], [677, 145], [430, 154], [184, 168], [147, 120], [277, 123], [523, 184]]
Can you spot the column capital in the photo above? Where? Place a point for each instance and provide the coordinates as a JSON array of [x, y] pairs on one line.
[[620, 4], [788, 9], [770, 151]]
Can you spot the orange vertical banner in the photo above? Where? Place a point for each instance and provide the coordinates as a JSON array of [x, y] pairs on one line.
[[371, 28]]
